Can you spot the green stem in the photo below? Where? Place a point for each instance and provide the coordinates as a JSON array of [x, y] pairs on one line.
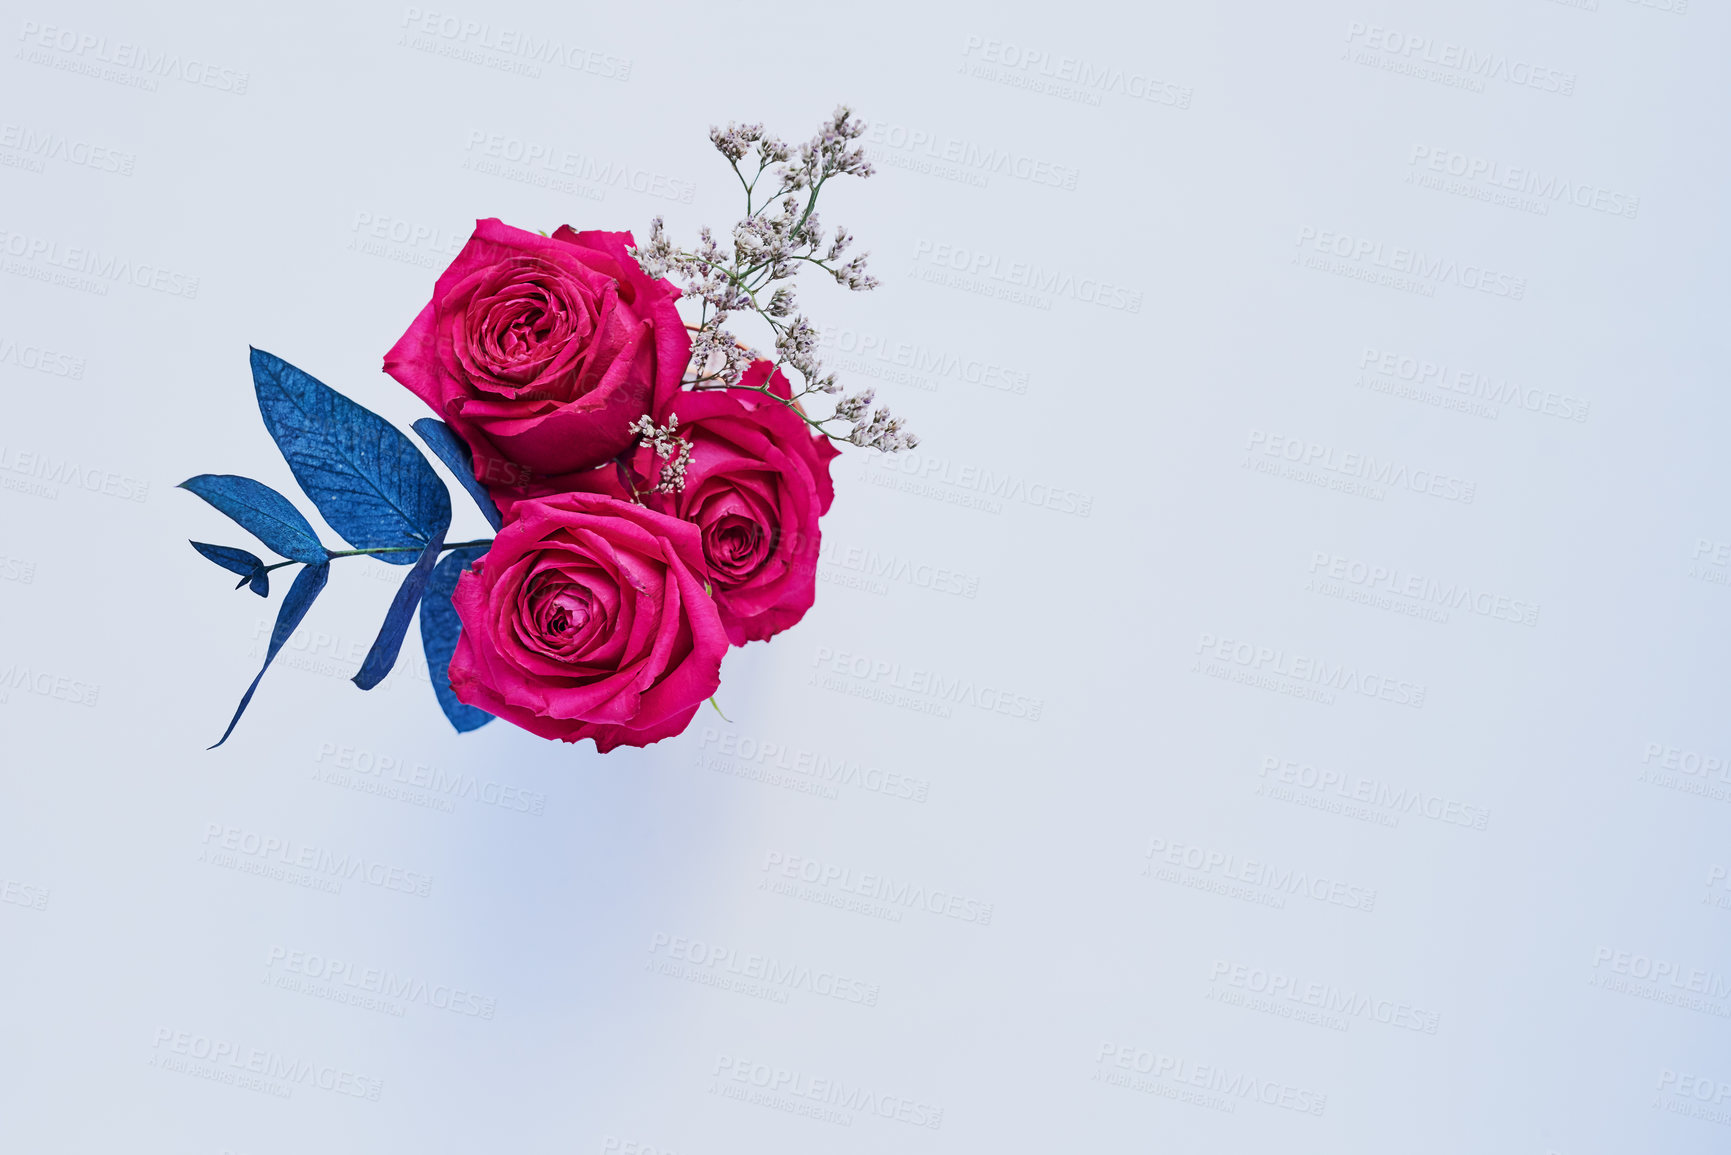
[[735, 165], [388, 549], [811, 202], [817, 423]]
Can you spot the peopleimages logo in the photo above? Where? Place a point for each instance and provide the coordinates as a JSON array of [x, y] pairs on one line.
[[1471, 384], [1468, 63], [1698, 1087], [104, 268], [46, 467], [18, 676], [908, 147], [1232, 1085], [458, 33], [1710, 560], [802, 1090], [1718, 887], [1325, 997], [880, 674], [321, 864], [558, 161], [1547, 188], [334, 978], [1228, 867], [1278, 662], [1406, 265], [774, 974], [875, 887], [1358, 467], [1371, 792], [17, 569], [876, 357], [990, 486], [257, 1061], [409, 234], [864, 568], [40, 359], [1690, 762], [1070, 77], [436, 781], [1377, 579], [1686, 771], [743, 752], [1025, 275], [23, 894], [1661, 971], [40, 146], [87, 53]]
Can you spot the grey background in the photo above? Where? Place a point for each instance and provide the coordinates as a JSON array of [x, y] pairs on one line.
[[1100, 528]]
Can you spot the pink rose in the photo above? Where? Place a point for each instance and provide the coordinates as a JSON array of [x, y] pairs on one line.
[[588, 619], [541, 351], [757, 482]]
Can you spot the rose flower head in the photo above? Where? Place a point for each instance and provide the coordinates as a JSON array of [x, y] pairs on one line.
[[541, 351], [588, 618]]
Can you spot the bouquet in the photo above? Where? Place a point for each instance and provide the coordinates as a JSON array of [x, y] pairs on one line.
[[654, 484]]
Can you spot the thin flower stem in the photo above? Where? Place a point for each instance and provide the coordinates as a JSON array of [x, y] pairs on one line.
[[387, 549], [742, 183], [778, 236], [815, 423]]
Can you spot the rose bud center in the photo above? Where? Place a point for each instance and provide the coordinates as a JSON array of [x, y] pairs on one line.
[[735, 547], [561, 617], [523, 321]]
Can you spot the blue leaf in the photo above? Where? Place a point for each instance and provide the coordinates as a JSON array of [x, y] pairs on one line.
[[262, 511], [454, 452], [440, 627], [383, 655], [233, 560], [370, 482], [306, 587], [249, 566]]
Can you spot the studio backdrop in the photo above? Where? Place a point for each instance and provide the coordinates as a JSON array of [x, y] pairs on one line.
[[1279, 703]]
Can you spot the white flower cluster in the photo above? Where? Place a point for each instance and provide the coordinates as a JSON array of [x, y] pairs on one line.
[[779, 232], [665, 442], [879, 429]]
